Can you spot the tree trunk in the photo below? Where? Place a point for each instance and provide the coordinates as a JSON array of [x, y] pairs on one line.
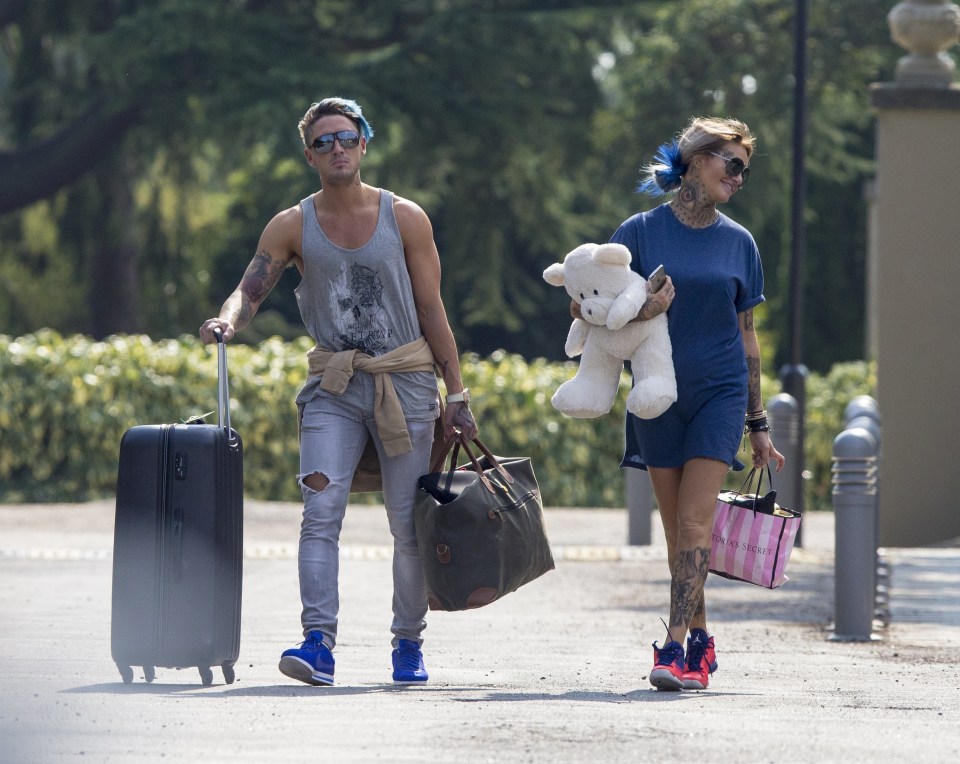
[[114, 285], [41, 169]]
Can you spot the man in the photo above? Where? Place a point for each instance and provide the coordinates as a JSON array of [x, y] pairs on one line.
[[370, 298]]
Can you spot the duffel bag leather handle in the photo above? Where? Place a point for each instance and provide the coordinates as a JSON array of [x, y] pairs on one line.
[[452, 442], [493, 460], [455, 441], [476, 466]]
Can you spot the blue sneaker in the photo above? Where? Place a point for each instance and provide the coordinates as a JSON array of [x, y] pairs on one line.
[[408, 663], [668, 666], [312, 662]]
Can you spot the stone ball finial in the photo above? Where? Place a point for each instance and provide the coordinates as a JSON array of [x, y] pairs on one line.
[[925, 28]]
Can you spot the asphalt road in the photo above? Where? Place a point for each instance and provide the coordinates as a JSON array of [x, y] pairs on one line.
[[555, 672]]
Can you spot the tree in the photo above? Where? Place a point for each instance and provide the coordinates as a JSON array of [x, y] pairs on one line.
[[148, 76], [519, 125], [726, 57]]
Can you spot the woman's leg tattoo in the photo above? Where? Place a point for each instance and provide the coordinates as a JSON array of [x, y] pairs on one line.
[[688, 574]]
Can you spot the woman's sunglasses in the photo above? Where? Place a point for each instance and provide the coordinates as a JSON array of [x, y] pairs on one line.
[[733, 168], [349, 139]]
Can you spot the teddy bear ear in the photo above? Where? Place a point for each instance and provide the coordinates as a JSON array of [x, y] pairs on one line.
[[612, 254], [581, 252], [554, 275]]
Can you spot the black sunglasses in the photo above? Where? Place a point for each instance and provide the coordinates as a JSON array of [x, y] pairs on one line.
[[734, 167], [323, 144]]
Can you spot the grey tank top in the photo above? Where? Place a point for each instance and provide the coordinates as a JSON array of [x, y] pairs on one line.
[[362, 299]]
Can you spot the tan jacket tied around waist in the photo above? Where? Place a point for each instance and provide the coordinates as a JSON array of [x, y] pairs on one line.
[[337, 369]]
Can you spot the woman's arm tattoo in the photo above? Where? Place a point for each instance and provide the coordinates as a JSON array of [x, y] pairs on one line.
[[754, 400]]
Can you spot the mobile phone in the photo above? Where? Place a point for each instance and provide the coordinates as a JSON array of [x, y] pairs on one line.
[[657, 278]]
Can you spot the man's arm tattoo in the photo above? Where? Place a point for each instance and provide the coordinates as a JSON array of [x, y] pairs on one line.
[[261, 276]]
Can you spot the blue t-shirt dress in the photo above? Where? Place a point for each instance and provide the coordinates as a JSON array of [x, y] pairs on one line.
[[717, 274]]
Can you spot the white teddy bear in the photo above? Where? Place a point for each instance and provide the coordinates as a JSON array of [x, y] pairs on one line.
[[610, 295]]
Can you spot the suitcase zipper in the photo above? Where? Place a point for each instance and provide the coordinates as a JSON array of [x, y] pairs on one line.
[[163, 515]]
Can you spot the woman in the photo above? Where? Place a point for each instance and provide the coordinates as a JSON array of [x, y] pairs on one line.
[[714, 282]]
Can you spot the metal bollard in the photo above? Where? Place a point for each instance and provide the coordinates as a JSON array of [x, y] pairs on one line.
[[784, 415], [640, 502], [862, 405], [855, 479], [864, 411]]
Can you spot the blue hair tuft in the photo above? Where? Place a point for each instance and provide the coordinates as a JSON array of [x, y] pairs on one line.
[[354, 108], [665, 172]]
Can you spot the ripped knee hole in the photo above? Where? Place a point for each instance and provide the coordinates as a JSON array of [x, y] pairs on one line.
[[316, 481]]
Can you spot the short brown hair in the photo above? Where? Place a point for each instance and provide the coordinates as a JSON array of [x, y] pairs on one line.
[[342, 106]]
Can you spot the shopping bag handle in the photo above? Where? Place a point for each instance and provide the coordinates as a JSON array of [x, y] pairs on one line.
[[748, 480], [748, 483]]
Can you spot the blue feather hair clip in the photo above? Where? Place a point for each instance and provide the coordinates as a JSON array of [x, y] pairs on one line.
[[665, 172]]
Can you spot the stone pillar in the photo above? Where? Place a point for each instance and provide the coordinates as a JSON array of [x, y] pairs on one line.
[[916, 243]]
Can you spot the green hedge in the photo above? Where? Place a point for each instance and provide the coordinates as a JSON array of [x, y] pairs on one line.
[[827, 397], [67, 402]]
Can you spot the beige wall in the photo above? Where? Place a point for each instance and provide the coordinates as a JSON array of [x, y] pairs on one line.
[[916, 311]]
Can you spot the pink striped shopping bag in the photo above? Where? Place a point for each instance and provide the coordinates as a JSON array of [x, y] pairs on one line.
[[753, 536]]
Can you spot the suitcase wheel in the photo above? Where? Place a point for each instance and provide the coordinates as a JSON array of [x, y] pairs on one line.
[[126, 673], [149, 673], [206, 675], [228, 673]]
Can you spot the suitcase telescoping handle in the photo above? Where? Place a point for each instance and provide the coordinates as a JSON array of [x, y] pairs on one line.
[[223, 386]]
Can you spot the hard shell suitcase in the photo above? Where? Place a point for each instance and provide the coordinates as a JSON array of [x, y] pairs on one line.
[[178, 545]]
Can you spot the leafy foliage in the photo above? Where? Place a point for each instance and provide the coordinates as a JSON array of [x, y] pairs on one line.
[[67, 401], [519, 125], [827, 398], [726, 57]]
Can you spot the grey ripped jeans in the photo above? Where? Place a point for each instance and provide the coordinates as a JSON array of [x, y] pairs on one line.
[[332, 439]]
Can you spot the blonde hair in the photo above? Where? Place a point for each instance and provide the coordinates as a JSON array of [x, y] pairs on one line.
[[703, 135]]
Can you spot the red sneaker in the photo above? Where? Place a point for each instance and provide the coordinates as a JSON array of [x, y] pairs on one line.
[[668, 666], [701, 660]]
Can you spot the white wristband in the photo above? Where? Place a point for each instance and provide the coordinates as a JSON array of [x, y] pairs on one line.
[[461, 397]]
